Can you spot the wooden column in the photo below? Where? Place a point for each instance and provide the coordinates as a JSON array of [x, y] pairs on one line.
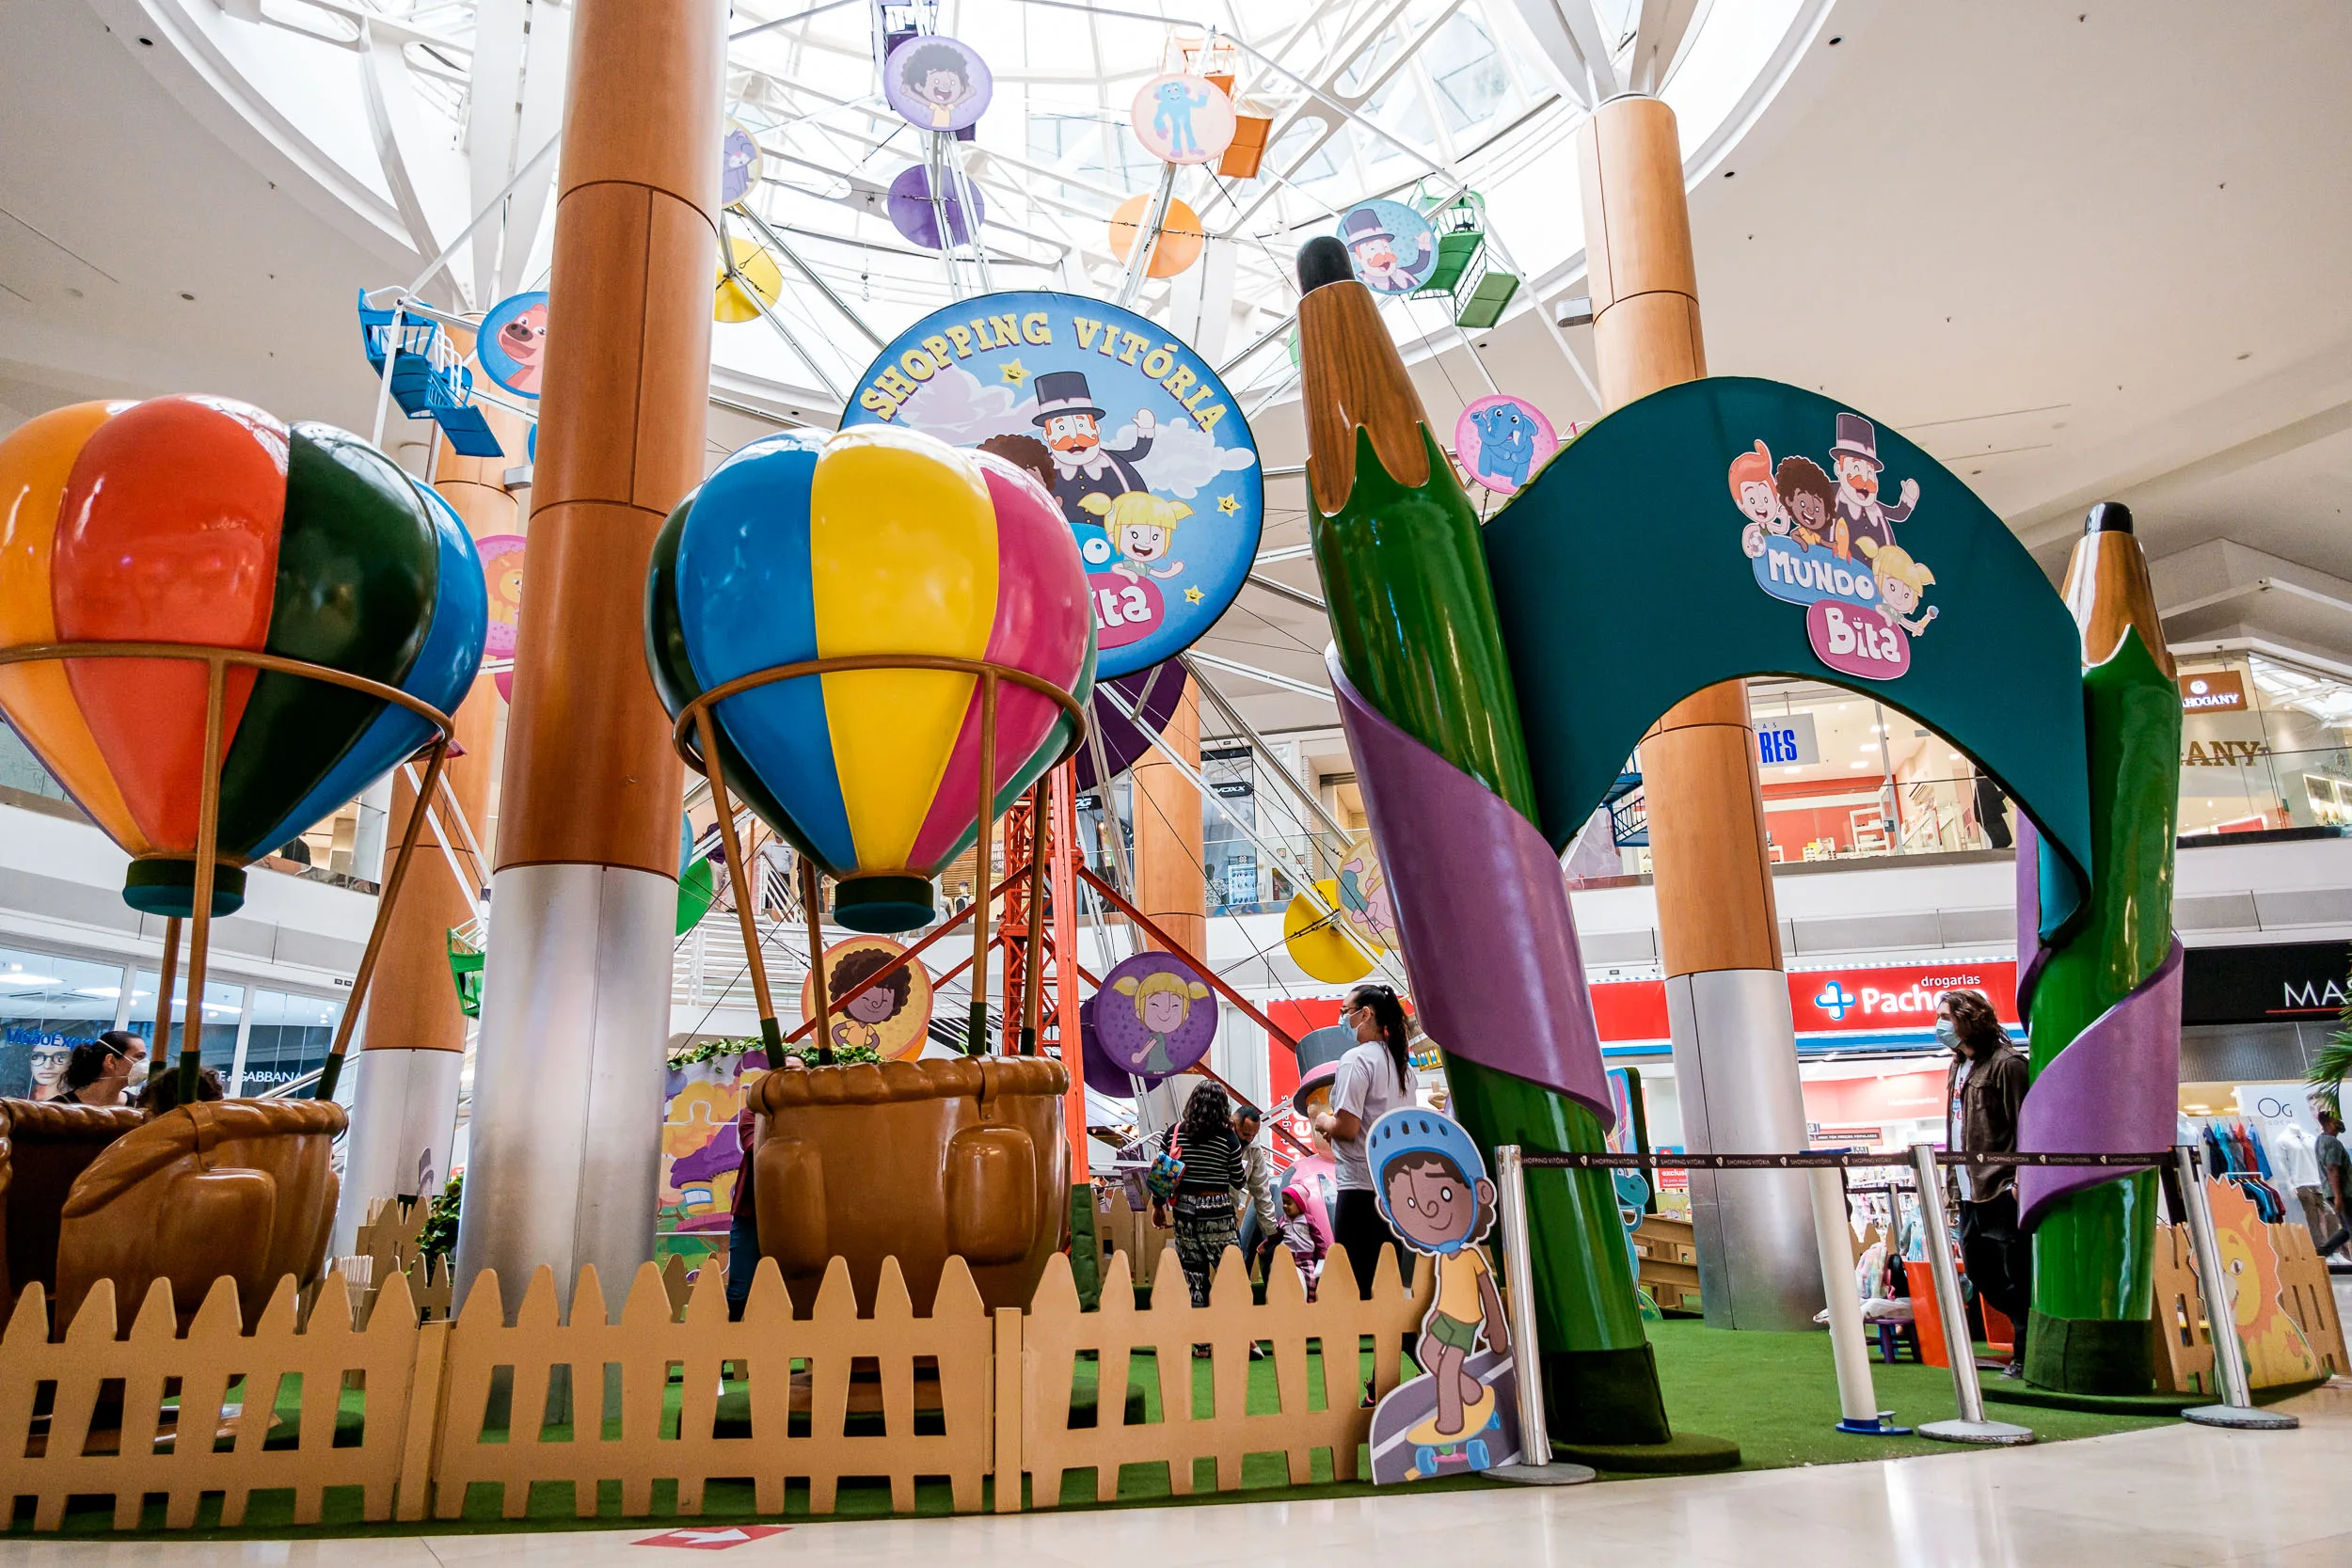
[[1169, 886], [1718, 932], [563, 1165], [590, 776]]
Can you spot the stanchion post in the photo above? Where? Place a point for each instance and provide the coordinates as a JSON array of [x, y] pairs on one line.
[[1833, 1237], [1536, 1466], [1971, 1427], [2219, 1291]]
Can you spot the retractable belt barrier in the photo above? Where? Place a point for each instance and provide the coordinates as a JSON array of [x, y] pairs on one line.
[[1855, 1394], [1833, 1158]]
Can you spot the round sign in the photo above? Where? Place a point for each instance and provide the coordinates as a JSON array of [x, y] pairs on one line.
[[1183, 120], [937, 82], [1181, 236], [916, 218], [1364, 900], [1393, 247], [511, 343], [1501, 440], [502, 571], [890, 1017], [1154, 1016], [732, 303], [1152, 695], [739, 164], [1317, 939], [1130, 430]]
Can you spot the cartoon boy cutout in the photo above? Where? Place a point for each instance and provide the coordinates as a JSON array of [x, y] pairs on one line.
[[1163, 1002], [1902, 582], [1752, 487], [936, 76], [1431, 1182], [1810, 497], [858, 1025]]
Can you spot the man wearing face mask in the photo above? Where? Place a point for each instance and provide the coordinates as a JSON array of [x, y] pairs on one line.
[[1988, 1085]]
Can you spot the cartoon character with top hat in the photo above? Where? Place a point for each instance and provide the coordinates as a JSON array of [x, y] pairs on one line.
[[1373, 247], [1069, 419], [1855, 459], [1433, 1190]]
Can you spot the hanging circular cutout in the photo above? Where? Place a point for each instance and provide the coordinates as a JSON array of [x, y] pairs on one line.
[[915, 217], [1501, 439], [1181, 236], [739, 164], [1154, 1016], [511, 344], [1393, 248], [1317, 941], [1181, 119], [937, 82], [502, 573], [892, 1017], [731, 302]]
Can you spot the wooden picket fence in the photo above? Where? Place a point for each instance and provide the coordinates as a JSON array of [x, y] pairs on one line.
[[618, 1374], [345, 1388], [218, 1411], [1055, 1333]]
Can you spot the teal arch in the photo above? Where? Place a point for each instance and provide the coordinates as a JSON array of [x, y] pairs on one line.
[[1623, 587]]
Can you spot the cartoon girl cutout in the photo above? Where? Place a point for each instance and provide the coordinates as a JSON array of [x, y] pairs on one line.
[[1162, 1000], [936, 76], [1432, 1187], [1752, 489], [1902, 582], [1142, 529], [1810, 497], [858, 1025]]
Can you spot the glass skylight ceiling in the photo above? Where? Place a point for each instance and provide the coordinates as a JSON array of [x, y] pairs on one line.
[[1368, 97]]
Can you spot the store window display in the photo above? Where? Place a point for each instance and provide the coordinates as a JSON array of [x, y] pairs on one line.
[[49, 1004]]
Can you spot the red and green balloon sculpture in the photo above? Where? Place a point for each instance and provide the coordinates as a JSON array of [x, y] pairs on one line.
[[879, 542], [203, 521]]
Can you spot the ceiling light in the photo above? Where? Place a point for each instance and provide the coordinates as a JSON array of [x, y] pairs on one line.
[[103, 993], [28, 982], [1861, 764], [1792, 770]]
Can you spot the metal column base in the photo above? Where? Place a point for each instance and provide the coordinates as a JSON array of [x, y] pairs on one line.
[[1735, 1053], [1991, 1435], [1558, 1473], [563, 1156], [404, 1122], [2242, 1418]]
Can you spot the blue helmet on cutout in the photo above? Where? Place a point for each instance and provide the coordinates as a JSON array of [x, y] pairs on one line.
[[1416, 1129]]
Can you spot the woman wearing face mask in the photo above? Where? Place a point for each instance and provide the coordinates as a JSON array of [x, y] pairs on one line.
[[1988, 1085], [1374, 1078]]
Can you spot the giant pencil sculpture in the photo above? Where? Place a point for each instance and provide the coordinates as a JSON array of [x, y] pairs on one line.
[[1425, 690], [2105, 1003]]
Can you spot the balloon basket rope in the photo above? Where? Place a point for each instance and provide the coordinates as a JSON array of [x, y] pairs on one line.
[[695, 736]]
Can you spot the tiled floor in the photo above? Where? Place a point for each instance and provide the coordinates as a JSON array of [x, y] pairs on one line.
[[2179, 1496]]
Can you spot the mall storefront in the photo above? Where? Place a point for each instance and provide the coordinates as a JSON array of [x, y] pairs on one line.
[[259, 1037]]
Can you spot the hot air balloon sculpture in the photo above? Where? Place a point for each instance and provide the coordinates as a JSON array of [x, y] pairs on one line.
[[215, 628], [879, 641], [881, 632]]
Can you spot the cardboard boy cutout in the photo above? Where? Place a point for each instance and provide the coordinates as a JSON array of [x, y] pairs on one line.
[[1462, 1414]]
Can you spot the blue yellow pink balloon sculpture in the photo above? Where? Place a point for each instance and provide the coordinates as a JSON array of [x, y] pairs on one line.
[[203, 521], [883, 543]]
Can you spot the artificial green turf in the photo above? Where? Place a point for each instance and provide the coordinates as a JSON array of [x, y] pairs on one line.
[[1773, 1394], [1777, 1396]]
